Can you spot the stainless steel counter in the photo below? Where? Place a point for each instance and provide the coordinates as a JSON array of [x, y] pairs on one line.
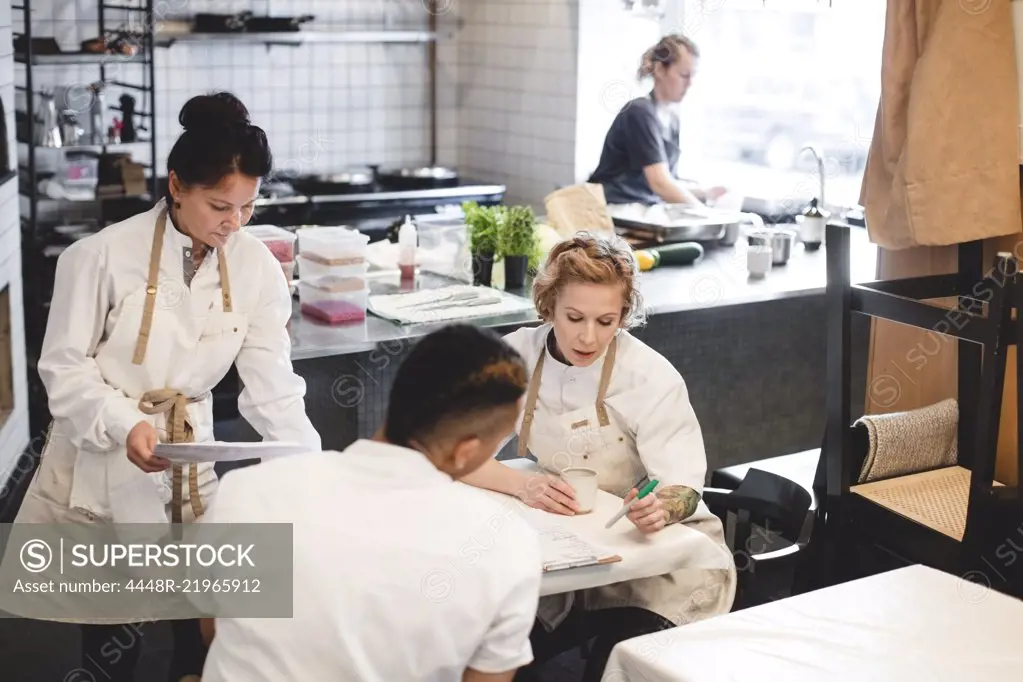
[[314, 339], [719, 280]]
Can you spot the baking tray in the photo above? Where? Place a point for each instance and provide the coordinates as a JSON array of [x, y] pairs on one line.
[[678, 225], [688, 230]]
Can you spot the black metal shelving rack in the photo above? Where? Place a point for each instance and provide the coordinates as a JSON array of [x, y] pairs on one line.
[[40, 242]]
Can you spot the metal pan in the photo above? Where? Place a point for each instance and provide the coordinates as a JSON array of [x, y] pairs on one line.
[[348, 181], [418, 177], [277, 24], [220, 23]]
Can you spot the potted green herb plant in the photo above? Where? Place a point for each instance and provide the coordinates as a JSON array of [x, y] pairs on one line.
[[482, 222], [517, 244]]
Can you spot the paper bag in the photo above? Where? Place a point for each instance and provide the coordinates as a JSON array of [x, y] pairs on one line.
[[579, 207]]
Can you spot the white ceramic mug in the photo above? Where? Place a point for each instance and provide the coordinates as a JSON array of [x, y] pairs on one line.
[[758, 260], [584, 482]]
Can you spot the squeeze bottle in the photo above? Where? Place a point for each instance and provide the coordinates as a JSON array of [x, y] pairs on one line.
[[408, 239]]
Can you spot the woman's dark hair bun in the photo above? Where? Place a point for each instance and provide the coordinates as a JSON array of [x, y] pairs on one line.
[[213, 111], [218, 140]]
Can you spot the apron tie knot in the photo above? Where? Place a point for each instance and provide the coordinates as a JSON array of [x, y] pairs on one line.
[[179, 429]]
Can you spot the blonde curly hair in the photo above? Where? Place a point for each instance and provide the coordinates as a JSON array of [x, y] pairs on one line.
[[592, 259]]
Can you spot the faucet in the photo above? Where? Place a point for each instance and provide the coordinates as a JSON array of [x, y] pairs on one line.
[[820, 169]]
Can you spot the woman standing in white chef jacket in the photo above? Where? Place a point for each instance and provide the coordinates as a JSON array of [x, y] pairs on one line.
[[600, 398], [147, 316]]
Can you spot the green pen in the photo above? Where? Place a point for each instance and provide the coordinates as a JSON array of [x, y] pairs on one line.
[[647, 489]]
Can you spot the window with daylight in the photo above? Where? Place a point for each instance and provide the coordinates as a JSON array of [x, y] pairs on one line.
[[775, 76]]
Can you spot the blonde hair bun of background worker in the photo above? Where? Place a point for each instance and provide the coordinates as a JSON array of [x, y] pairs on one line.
[[669, 50], [599, 398], [392, 578]]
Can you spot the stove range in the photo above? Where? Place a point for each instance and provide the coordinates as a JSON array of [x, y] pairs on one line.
[[371, 211]]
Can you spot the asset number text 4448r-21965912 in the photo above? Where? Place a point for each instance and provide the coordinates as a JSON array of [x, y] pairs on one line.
[[158, 585], [194, 585]]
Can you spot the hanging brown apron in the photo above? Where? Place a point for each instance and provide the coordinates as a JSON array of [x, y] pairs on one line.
[[167, 401]]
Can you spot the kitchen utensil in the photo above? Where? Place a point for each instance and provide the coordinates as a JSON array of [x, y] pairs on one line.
[[758, 260], [778, 239], [277, 24], [666, 223], [811, 224], [472, 303], [71, 133], [347, 181], [97, 108], [451, 297], [733, 230], [49, 124], [220, 23], [128, 132], [418, 177]]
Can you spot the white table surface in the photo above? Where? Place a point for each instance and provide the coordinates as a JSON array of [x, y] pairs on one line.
[[643, 556], [910, 624]]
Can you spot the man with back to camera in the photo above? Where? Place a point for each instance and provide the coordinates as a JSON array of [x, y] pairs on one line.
[[400, 571]]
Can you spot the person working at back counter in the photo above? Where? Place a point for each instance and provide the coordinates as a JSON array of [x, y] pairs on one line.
[[641, 149]]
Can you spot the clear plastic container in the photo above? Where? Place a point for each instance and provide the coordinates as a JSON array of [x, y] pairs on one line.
[[332, 277], [444, 249], [333, 245], [289, 270], [333, 307], [280, 242]]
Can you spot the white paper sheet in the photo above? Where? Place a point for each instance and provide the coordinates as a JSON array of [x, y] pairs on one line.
[[561, 548], [220, 451]]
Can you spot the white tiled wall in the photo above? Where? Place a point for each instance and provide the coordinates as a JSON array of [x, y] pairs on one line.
[[323, 105], [517, 94]]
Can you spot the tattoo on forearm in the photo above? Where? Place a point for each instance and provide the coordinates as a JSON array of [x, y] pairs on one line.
[[680, 501]]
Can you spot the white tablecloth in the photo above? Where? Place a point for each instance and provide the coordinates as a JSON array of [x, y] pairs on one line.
[[910, 624], [643, 556]]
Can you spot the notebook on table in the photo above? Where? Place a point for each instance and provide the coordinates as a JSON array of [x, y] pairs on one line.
[[563, 549]]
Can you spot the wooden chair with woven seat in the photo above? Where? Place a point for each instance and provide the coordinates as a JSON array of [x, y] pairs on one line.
[[952, 517]]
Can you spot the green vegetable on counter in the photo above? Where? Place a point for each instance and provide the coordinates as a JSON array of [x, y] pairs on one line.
[[684, 253]]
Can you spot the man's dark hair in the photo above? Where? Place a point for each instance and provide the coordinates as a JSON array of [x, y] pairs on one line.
[[456, 376]]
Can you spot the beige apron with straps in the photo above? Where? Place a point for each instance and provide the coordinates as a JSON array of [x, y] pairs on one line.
[[168, 401], [534, 392], [590, 438]]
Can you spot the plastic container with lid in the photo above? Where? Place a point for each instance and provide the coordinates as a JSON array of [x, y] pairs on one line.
[[333, 307], [333, 277], [280, 242], [289, 270], [332, 245]]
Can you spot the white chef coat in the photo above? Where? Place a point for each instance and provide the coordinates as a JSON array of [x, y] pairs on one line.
[[647, 401], [400, 573], [652, 431], [94, 388]]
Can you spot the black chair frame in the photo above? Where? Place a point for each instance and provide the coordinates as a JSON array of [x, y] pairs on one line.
[[982, 324]]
